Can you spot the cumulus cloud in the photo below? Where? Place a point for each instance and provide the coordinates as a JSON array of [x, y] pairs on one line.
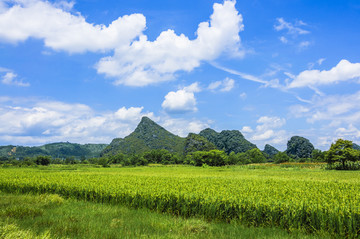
[[10, 79], [181, 101], [38, 122], [62, 30], [268, 131], [223, 86], [146, 62], [136, 60], [183, 127], [343, 71]]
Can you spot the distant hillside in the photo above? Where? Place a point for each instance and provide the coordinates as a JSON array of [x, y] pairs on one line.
[[270, 150], [147, 136], [55, 150], [228, 140], [195, 142]]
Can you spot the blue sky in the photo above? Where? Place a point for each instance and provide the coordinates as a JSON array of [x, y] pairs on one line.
[[87, 71]]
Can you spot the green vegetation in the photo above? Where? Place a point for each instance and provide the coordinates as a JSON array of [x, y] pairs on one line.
[[194, 142], [299, 148], [270, 151], [55, 150], [52, 216], [311, 200], [147, 136], [228, 140], [342, 155]]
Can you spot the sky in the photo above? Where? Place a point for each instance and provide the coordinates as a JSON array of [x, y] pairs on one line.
[[86, 71]]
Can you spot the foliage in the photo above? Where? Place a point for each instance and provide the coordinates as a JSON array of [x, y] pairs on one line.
[[281, 157], [160, 156], [147, 136], [318, 155], [299, 147], [228, 140], [342, 152], [270, 151], [194, 142], [212, 158], [55, 150], [313, 201], [43, 160], [255, 156]]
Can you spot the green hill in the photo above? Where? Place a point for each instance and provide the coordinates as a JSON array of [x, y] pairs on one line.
[[270, 150], [195, 142], [228, 140], [55, 150], [147, 136]]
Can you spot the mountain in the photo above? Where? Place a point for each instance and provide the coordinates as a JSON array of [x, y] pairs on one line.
[[147, 136], [228, 140], [195, 142], [55, 150], [355, 146], [299, 147], [270, 150]]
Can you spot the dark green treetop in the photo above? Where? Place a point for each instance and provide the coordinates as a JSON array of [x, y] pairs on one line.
[[228, 140], [299, 147]]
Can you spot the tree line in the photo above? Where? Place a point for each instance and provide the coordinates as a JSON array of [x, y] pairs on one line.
[[342, 155]]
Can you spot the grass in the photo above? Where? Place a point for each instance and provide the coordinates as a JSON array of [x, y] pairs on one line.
[[51, 216]]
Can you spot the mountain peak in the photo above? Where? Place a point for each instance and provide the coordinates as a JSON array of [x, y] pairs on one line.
[[147, 125]]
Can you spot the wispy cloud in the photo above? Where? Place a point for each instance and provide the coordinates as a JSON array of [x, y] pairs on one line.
[[10, 78], [291, 28]]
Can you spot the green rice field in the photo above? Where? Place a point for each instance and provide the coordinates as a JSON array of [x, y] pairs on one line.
[[305, 198]]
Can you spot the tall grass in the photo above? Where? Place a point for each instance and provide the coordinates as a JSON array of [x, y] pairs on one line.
[[312, 201]]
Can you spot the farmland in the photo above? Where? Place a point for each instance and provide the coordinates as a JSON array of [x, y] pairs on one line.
[[309, 199]]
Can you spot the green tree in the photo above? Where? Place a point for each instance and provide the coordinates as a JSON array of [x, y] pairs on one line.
[[342, 151], [281, 157], [318, 155], [212, 158], [255, 156], [43, 160]]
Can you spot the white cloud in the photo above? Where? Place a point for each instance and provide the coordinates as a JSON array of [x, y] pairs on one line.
[[243, 96], [337, 109], [304, 44], [136, 60], [10, 79], [343, 71], [247, 129], [335, 116], [320, 61], [267, 132], [292, 29], [223, 86], [194, 87], [183, 127], [37, 122], [62, 30], [283, 39], [181, 101], [147, 62]]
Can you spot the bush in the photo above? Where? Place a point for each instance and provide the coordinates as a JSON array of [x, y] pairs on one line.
[[281, 157], [211, 158]]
